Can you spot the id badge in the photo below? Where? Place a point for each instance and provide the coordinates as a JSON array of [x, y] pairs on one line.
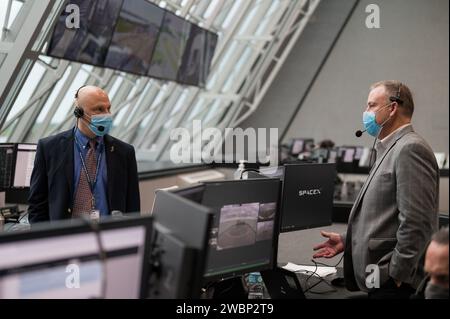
[[94, 214]]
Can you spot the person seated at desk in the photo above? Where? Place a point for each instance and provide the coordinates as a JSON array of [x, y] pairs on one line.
[[84, 171]]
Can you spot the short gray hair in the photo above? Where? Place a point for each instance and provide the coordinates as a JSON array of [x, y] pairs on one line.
[[441, 237], [398, 89]]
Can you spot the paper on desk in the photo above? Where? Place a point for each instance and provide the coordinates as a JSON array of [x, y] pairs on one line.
[[320, 271]]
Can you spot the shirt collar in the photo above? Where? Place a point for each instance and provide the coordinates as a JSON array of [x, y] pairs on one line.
[[84, 140], [383, 144]]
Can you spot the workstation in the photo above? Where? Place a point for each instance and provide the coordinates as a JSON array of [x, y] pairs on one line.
[[218, 150]]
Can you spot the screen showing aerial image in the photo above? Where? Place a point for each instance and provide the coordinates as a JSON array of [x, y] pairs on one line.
[[169, 49], [134, 37], [242, 236], [88, 40]]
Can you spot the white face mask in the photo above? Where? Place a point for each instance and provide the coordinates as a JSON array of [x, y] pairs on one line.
[[433, 291]]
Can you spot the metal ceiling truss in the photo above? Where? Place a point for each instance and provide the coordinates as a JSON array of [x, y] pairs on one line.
[[255, 37]]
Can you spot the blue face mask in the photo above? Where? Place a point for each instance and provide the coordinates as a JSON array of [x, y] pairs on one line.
[[101, 124], [370, 122]]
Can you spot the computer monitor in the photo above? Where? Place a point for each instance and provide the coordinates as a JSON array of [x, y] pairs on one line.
[[307, 199], [6, 165], [169, 48], [347, 154], [180, 221], [16, 165], [244, 235], [24, 165], [63, 260], [300, 145], [136, 32]]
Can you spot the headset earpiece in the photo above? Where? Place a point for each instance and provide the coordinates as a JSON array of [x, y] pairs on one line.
[[78, 112]]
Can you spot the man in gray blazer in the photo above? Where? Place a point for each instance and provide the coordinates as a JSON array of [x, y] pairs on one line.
[[396, 212]]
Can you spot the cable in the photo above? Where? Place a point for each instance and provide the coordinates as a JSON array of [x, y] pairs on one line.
[[248, 170], [101, 252], [371, 154], [21, 217], [321, 279], [337, 264], [155, 266]]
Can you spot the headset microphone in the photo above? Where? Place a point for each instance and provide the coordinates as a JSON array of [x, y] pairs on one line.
[[358, 133]]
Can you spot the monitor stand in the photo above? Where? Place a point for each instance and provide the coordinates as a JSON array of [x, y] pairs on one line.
[[282, 284], [232, 288]]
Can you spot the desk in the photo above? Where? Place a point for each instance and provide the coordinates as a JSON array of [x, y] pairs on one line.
[[21, 225]]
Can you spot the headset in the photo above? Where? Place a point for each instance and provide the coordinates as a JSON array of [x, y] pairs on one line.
[[397, 98], [78, 111]]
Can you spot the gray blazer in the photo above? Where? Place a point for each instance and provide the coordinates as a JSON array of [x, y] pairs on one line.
[[394, 215]]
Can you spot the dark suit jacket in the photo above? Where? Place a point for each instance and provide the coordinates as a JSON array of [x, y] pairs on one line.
[[51, 186]]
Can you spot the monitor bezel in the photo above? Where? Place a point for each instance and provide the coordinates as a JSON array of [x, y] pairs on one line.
[[224, 275], [77, 226], [283, 229]]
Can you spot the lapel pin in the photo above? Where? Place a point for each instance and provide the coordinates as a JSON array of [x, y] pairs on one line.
[[112, 148]]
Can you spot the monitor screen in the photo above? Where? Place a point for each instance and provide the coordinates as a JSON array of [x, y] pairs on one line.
[[170, 47], [244, 234], [197, 56], [307, 196], [300, 145], [24, 165], [50, 261], [297, 147], [89, 41], [16, 165], [6, 165], [134, 38]]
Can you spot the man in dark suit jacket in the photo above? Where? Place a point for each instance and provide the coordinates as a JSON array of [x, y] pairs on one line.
[[395, 213], [61, 162]]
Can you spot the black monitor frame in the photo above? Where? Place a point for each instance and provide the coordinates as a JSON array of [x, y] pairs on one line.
[[13, 168], [78, 226], [193, 193], [283, 196], [274, 249], [295, 228], [175, 213]]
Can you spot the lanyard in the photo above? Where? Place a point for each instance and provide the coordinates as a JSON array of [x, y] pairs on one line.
[[91, 182]]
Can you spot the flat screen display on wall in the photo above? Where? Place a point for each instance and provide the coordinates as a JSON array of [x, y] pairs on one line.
[[134, 36]]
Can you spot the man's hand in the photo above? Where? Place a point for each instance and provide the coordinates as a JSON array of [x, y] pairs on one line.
[[333, 246]]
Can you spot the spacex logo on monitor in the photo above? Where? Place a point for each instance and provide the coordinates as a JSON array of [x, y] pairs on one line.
[[307, 198], [309, 192]]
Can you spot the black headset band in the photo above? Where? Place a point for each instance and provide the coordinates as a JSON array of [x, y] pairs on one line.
[[397, 98], [78, 91]]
